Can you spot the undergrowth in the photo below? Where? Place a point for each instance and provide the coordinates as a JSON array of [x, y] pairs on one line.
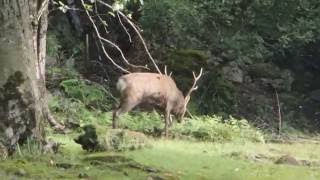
[[215, 129], [83, 102]]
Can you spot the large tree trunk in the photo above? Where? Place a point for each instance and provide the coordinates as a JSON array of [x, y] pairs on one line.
[[23, 107]]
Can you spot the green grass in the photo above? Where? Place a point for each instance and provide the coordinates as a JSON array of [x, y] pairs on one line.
[[174, 159], [216, 161]]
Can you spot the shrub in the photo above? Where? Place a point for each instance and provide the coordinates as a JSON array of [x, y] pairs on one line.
[[53, 45], [147, 123], [102, 139], [213, 128], [89, 94]]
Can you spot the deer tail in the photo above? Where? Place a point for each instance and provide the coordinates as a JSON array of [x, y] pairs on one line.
[[121, 85]]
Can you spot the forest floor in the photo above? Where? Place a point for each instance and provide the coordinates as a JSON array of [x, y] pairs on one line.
[[171, 159]]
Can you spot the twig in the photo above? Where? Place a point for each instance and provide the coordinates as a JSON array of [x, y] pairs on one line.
[[143, 42], [189, 113], [87, 48], [108, 41], [99, 17], [138, 33], [125, 29], [279, 113], [102, 45]]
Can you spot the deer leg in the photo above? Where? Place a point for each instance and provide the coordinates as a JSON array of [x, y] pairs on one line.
[[114, 117], [167, 119], [124, 107], [170, 120]]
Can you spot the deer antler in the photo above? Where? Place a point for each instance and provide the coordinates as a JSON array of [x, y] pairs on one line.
[[165, 71], [194, 87]]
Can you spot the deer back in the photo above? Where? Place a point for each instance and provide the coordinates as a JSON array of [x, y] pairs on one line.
[[150, 88]]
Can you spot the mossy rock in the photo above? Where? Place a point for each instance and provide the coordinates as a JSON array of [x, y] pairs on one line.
[[121, 139], [101, 139], [287, 159], [3, 152], [264, 70]]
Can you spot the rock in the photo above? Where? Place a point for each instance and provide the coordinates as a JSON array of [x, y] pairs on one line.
[[51, 146], [155, 177], [64, 165], [88, 140], [287, 159], [315, 95], [20, 172], [102, 139], [270, 75], [151, 170], [69, 63], [233, 73], [121, 139], [51, 61], [83, 175], [72, 123], [3, 152], [264, 70]]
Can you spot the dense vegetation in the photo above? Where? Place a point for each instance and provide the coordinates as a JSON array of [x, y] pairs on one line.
[[254, 116], [243, 44]]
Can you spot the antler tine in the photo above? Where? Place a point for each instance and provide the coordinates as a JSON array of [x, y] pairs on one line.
[[193, 87], [166, 72], [200, 74]]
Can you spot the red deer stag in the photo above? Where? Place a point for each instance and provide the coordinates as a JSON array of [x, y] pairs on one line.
[[155, 90]]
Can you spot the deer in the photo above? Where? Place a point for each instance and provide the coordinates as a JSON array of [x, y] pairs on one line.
[[156, 90]]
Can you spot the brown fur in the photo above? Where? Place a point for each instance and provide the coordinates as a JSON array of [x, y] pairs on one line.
[[151, 89]]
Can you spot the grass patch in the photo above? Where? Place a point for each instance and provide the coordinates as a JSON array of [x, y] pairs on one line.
[[193, 160], [168, 159]]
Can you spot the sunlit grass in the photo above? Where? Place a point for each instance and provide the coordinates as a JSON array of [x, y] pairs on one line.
[[215, 161], [174, 158]]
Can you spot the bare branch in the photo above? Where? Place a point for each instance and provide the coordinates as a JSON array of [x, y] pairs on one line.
[[108, 41], [138, 33], [125, 29], [102, 45], [279, 113]]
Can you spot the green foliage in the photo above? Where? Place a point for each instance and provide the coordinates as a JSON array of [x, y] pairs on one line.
[[244, 32], [53, 45], [75, 113], [89, 94], [217, 95], [148, 123], [55, 75], [170, 23], [204, 128], [84, 102], [32, 147], [214, 129]]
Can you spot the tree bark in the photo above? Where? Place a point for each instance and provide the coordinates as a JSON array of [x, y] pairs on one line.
[[23, 105]]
